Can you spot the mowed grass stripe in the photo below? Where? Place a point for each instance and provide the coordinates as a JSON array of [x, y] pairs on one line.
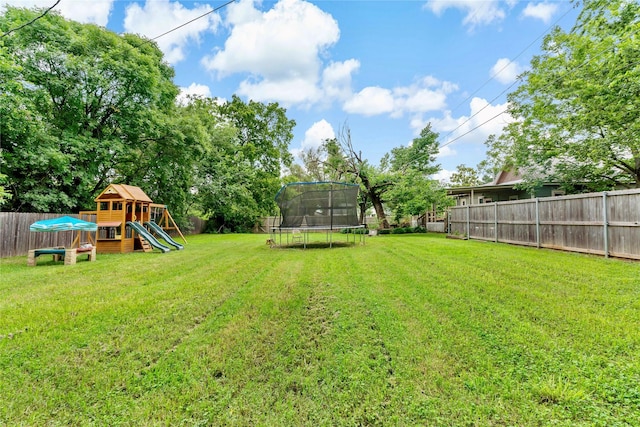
[[231, 354], [406, 330]]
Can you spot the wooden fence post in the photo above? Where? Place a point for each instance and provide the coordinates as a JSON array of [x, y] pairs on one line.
[[468, 222], [605, 224], [495, 220], [537, 223]]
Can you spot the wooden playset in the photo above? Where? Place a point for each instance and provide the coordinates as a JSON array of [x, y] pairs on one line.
[[121, 212]]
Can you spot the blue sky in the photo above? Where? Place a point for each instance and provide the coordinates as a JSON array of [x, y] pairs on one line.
[[384, 69]]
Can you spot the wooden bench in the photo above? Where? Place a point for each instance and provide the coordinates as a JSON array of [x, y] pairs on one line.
[[69, 255]]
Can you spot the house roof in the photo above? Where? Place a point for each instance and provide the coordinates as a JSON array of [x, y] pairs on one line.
[[126, 192], [506, 178]]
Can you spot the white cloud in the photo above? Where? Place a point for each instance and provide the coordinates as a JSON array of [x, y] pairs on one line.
[[443, 175], [242, 11], [370, 101], [280, 49], [426, 94], [484, 120], [336, 79], [315, 136], [505, 71], [446, 151], [286, 91], [157, 17], [543, 11], [477, 12], [193, 89], [85, 11]]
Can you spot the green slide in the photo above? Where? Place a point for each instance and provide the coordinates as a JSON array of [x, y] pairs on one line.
[[163, 235], [148, 236]]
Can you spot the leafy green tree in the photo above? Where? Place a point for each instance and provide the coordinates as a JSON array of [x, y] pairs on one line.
[[4, 194], [263, 134], [237, 173], [26, 145], [577, 110], [344, 161], [414, 191], [416, 194], [464, 176], [86, 107]]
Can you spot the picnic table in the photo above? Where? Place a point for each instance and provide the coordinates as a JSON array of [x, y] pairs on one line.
[[60, 253]]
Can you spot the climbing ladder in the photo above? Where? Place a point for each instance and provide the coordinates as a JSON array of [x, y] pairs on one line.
[[146, 247]]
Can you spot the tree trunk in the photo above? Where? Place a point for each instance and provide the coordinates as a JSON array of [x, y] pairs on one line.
[[377, 205], [374, 196], [363, 212]]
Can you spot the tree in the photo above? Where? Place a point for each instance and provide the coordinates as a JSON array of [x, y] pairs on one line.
[[263, 134], [415, 194], [237, 173], [577, 111], [344, 160], [464, 176], [401, 179], [84, 107], [4, 194]]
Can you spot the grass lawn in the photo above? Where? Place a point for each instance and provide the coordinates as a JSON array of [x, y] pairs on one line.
[[405, 330]]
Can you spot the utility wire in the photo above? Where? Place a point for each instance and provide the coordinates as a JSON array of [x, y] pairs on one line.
[[514, 58], [501, 70], [30, 22], [551, 82], [187, 23]]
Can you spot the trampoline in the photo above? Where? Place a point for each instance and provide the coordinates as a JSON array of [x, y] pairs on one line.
[[315, 207]]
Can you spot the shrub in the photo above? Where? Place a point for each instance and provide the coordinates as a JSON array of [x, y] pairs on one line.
[[354, 231]]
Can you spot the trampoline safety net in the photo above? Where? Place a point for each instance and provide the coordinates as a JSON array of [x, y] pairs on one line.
[[331, 205]]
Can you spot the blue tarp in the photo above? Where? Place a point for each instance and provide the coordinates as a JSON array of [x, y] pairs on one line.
[[64, 223]]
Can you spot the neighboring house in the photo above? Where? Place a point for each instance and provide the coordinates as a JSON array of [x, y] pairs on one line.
[[500, 190]]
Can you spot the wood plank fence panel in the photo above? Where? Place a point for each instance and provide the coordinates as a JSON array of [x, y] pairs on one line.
[[597, 223], [624, 224], [458, 221], [573, 223], [516, 222], [482, 222]]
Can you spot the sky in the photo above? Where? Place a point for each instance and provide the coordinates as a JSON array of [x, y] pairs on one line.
[[382, 69]]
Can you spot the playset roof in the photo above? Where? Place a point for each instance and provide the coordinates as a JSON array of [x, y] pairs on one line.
[[123, 191]]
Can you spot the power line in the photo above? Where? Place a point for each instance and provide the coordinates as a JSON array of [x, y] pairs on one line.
[[551, 82], [32, 21], [187, 23], [502, 69], [514, 58]]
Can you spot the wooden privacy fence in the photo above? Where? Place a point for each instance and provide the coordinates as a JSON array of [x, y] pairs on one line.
[[16, 239], [605, 223]]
